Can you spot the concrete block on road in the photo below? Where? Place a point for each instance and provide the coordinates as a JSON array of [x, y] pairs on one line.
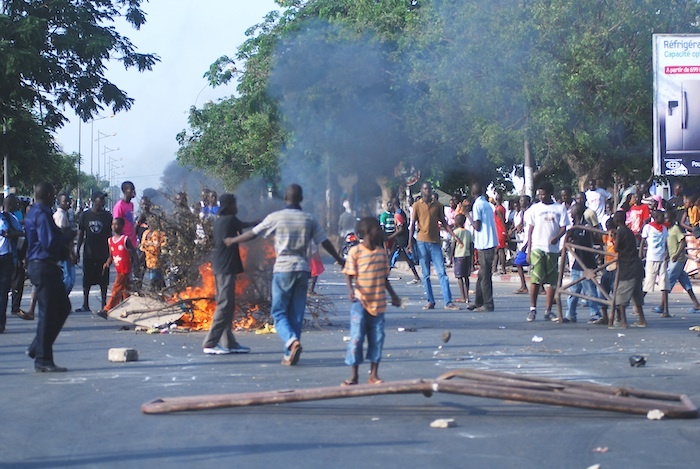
[[123, 355]]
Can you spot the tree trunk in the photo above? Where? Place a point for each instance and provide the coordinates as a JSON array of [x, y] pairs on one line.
[[383, 183], [584, 170], [528, 167]]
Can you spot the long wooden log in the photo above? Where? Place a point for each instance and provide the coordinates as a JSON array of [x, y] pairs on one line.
[[470, 382]]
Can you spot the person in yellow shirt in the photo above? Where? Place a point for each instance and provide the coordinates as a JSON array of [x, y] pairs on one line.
[[153, 241]]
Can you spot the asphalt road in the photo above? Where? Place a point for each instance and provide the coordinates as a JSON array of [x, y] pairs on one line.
[[91, 416]]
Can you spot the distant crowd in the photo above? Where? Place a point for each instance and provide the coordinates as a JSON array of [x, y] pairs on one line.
[[478, 231]]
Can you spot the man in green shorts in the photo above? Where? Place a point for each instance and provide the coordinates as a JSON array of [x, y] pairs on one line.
[[546, 223]]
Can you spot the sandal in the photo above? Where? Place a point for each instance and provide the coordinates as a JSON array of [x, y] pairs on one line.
[[375, 381], [25, 315], [429, 306], [294, 352], [520, 291], [348, 382]]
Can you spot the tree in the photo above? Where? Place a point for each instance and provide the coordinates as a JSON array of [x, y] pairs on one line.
[[54, 53], [456, 88], [590, 101]]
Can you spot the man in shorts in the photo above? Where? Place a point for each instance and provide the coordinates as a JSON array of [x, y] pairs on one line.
[[546, 223], [630, 274], [94, 230]]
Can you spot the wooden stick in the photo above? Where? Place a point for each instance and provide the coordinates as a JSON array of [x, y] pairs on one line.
[[471, 382]]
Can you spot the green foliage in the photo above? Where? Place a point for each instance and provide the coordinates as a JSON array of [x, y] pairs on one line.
[[454, 87], [53, 54]]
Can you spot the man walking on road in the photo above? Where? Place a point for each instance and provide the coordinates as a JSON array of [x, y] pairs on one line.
[[547, 222], [293, 231], [429, 214]]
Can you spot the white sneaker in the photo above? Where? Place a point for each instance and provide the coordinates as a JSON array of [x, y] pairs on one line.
[[218, 350]]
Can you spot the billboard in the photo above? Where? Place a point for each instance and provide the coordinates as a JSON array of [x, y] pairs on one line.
[[676, 61]]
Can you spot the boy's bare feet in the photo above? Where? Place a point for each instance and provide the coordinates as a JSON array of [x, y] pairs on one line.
[[374, 380]]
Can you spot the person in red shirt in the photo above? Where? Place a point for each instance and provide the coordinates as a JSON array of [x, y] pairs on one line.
[[638, 215], [121, 254]]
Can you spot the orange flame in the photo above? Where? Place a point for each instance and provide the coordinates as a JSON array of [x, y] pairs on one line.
[[204, 306]]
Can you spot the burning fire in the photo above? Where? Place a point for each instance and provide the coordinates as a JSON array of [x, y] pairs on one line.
[[252, 298]]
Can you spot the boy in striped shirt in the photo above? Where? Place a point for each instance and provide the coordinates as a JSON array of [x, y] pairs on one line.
[[367, 266]]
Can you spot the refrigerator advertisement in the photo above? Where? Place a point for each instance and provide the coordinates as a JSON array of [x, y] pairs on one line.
[[676, 59]]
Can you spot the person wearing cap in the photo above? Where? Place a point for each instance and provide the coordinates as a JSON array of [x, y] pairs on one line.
[[94, 230]]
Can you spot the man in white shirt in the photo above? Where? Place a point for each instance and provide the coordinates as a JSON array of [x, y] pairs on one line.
[[596, 198], [62, 218], [546, 221], [485, 242]]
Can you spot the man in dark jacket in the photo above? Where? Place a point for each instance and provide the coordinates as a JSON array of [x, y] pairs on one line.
[[46, 245]]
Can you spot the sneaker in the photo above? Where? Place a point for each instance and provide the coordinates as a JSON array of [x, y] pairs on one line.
[[531, 315], [238, 348], [483, 309], [594, 319], [218, 350], [413, 282], [550, 316], [657, 310], [693, 310]]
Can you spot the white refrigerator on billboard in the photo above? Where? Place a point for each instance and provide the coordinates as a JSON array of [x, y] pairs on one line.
[[683, 121]]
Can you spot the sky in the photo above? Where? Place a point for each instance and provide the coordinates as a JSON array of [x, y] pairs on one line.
[[188, 36]]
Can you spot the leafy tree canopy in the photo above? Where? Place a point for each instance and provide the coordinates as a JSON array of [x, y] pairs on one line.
[[457, 88], [53, 54]]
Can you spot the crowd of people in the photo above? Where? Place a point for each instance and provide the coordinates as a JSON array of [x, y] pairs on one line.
[[645, 239], [530, 236]]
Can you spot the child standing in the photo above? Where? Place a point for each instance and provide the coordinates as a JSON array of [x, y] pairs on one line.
[[152, 242], [607, 280], [368, 266], [654, 236], [629, 277], [316, 266], [121, 253], [677, 258], [462, 257]]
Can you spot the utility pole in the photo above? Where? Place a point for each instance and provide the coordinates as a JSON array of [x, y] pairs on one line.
[[6, 160]]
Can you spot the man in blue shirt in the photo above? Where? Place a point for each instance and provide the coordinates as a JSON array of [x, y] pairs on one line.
[[46, 246], [485, 242], [10, 230]]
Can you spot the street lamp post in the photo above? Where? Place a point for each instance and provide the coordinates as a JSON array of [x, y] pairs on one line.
[[92, 139], [100, 136], [113, 173]]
